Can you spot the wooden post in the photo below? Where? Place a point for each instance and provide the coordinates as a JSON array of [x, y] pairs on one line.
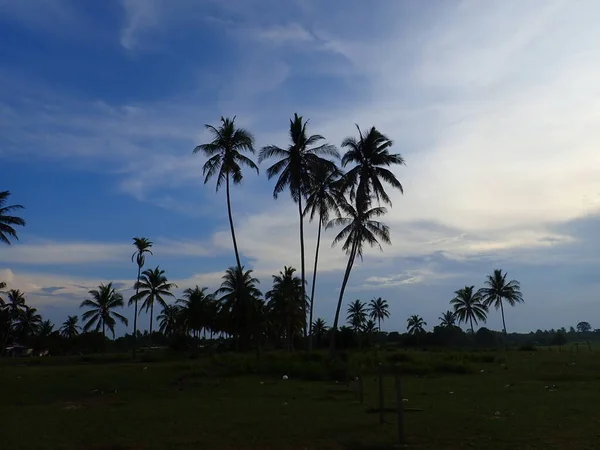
[[360, 389], [380, 394], [399, 409]]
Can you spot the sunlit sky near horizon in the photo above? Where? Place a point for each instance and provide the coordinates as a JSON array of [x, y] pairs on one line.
[[494, 105]]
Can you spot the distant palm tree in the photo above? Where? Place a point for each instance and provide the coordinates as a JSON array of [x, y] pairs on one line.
[[28, 323], [323, 197], [295, 167], [70, 327], [357, 315], [358, 228], [319, 328], [7, 221], [100, 314], [225, 158], [194, 309], [379, 311], [415, 324], [448, 319], [468, 306], [370, 153], [496, 290], [46, 328], [370, 327], [12, 309], [169, 320], [142, 246], [153, 287]]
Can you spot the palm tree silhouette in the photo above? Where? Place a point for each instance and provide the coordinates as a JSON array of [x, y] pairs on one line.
[[359, 227], [169, 320], [194, 309], [8, 221], [295, 168], [225, 158], [379, 311], [70, 327], [415, 324], [143, 246], [496, 290], [319, 328], [468, 306], [152, 287], [447, 319], [100, 314], [12, 308], [357, 315], [323, 197], [27, 323]]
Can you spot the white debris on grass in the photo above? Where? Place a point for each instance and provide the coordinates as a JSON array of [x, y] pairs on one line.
[[285, 377]]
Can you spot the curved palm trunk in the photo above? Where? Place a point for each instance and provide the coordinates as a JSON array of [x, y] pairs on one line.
[[302, 260], [137, 290], [312, 288], [151, 317], [341, 298], [235, 247], [504, 325]]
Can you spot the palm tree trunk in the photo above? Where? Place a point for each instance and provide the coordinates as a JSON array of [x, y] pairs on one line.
[[235, 247], [137, 290], [472, 330], [312, 288], [151, 317], [341, 298], [504, 325], [302, 260]]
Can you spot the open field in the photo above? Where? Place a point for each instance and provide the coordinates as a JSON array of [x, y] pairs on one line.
[[501, 401]]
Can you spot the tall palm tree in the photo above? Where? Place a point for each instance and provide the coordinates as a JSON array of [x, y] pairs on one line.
[[100, 314], [169, 320], [497, 290], [286, 304], [319, 328], [379, 310], [295, 167], [152, 287], [371, 154], [27, 323], [323, 197], [194, 309], [241, 303], [12, 308], [447, 319], [359, 227], [142, 246], [70, 327], [225, 158], [7, 221], [415, 324], [357, 315], [468, 306]]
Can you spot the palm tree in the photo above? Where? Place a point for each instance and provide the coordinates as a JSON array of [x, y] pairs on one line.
[[379, 310], [46, 328], [323, 197], [194, 309], [369, 327], [319, 328], [169, 320], [415, 324], [468, 306], [70, 328], [152, 287], [142, 246], [225, 158], [286, 303], [496, 290], [28, 323], [100, 314], [295, 168], [448, 319], [241, 304], [357, 315], [12, 308], [359, 228], [7, 222], [370, 153]]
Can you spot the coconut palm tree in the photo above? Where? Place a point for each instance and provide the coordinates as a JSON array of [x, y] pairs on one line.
[[194, 309], [169, 320], [323, 197], [415, 324], [13, 307], [295, 167], [100, 314], [371, 154], [142, 246], [497, 290], [379, 310], [70, 327], [240, 304], [225, 160], [369, 327], [447, 319], [153, 287], [46, 328], [468, 306], [286, 304], [319, 328], [28, 323], [8, 221], [357, 315], [359, 227]]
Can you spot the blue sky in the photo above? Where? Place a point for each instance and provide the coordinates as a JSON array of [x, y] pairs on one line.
[[494, 107]]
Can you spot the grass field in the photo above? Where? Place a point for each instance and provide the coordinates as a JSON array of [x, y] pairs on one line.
[[503, 403]]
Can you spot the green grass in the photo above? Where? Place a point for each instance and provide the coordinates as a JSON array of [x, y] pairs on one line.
[[107, 403]]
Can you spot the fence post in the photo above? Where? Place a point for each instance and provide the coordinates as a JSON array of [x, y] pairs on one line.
[[380, 394], [399, 409]]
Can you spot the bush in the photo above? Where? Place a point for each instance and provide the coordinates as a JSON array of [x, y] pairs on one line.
[[395, 358], [528, 348]]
